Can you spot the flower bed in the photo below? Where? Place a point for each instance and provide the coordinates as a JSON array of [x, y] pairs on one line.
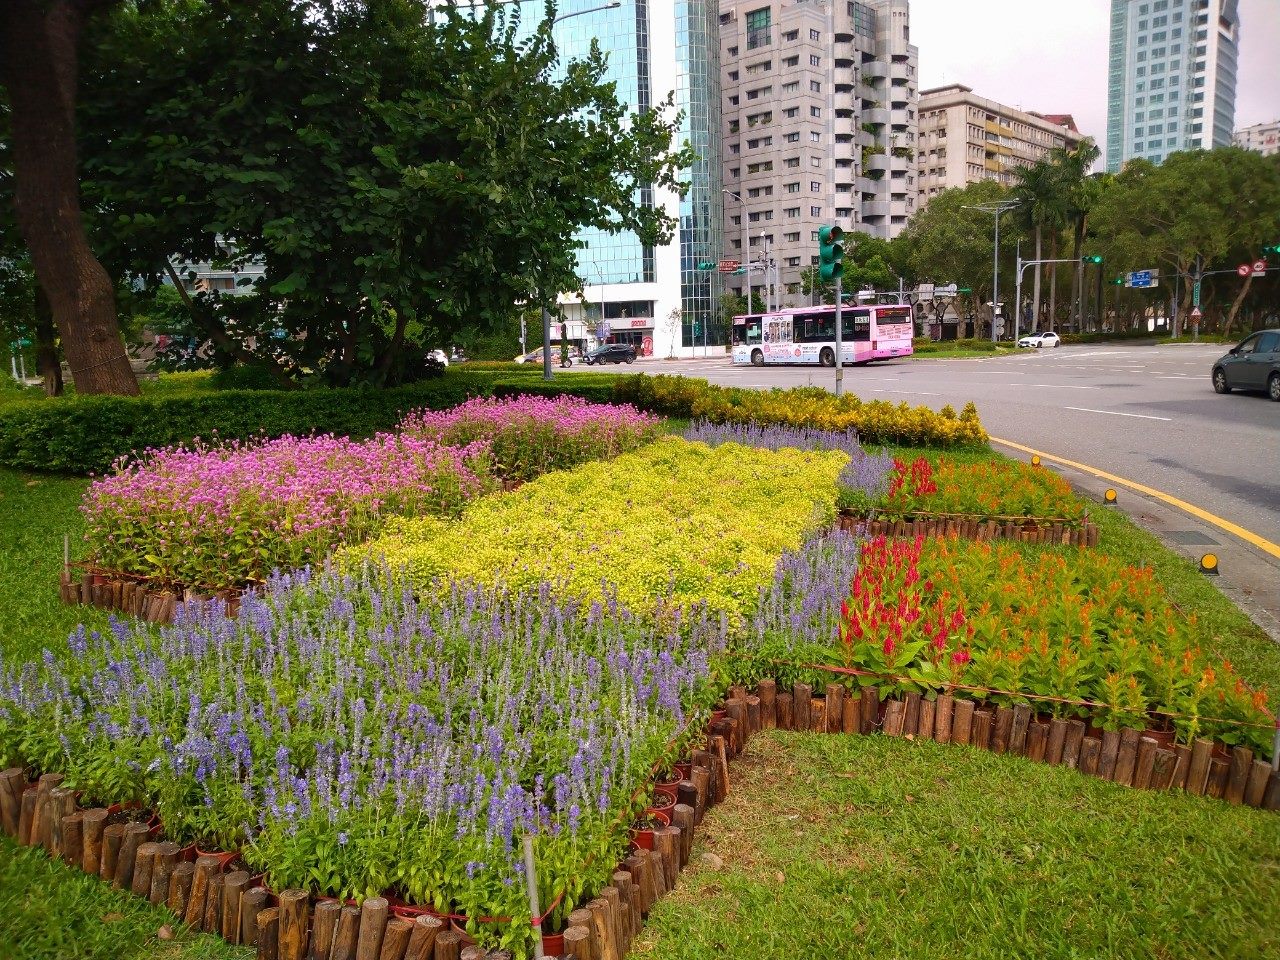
[[875, 421], [214, 517], [673, 520], [531, 435], [998, 491], [1080, 635], [348, 740]]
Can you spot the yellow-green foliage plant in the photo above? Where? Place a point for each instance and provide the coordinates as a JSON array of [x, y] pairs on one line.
[[674, 520]]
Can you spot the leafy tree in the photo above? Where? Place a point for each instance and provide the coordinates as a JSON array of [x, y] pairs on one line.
[[403, 171], [1043, 208], [1208, 207], [1079, 191], [947, 242], [39, 67]]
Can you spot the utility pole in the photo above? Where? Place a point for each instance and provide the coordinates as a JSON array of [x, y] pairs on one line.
[[996, 208], [839, 340], [546, 343]]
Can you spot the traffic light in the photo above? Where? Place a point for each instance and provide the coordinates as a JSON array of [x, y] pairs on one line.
[[1272, 250], [830, 253], [1118, 282], [1091, 259], [706, 265]]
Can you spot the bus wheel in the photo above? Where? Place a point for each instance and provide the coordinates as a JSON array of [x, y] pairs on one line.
[[757, 358], [828, 357]]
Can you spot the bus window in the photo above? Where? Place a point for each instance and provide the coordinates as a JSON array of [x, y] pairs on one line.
[[855, 324], [746, 330], [815, 327]]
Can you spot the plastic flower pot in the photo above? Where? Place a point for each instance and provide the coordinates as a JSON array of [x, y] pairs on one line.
[[552, 944], [684, 769], [642, 836], [1163, 738], [409, 911], [459, 926]]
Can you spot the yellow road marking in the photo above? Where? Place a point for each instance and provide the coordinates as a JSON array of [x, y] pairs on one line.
[[1247, 535]]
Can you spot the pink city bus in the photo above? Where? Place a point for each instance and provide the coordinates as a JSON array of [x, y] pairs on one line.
[[808, 335]]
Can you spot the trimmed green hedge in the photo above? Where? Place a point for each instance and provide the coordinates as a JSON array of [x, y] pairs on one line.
[[79, 435], [87, 434]]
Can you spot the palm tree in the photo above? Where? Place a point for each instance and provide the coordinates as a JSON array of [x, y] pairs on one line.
[[1039, 190], [1080, 191]]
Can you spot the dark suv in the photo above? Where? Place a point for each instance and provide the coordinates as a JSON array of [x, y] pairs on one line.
[[611, 353], [1252, 365]]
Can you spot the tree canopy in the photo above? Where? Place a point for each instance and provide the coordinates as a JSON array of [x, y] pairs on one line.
[[401, 171]]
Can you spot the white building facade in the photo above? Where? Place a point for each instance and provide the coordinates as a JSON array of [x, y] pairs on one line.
[[1171, 82], [1263, 138]]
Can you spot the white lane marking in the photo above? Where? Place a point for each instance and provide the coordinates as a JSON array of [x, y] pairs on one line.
[[1117, 413], [1179, 376], [914, 393], [1060, 386]]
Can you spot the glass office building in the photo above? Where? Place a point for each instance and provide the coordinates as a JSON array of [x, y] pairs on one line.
[[1171, 82], [655, 298]]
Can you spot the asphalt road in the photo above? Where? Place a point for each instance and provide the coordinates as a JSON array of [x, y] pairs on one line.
[[1147, 413]]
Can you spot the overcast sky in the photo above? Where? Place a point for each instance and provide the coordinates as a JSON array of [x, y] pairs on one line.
[[1050, 56]]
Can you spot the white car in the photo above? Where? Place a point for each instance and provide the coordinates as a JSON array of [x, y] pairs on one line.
[[1047, 339], [439, 356]]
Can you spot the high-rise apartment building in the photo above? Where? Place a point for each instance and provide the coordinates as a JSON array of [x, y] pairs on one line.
[[819, 109], [1261, 137], [1171, 82], [654, 297], [965, 138]]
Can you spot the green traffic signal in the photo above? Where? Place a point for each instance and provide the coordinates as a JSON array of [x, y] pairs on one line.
[[706, 265], [1274, 248], [1091, 259], [1118, 281], [830, 253]]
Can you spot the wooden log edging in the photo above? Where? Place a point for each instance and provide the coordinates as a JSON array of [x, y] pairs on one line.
[[1026, 530], [295, 925], [137, 598], [1135, 758]]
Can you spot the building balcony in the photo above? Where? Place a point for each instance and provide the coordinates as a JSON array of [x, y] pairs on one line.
[[899, 70], [863, 138], [876, 208], [878, 163], [869, 93], [877, 115], [899, 118], [902, 163], [844, 126], [865, 185], [875, 70], [844, 51]]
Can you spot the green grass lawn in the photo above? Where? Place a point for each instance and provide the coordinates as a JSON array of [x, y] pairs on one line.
[[843, 846]]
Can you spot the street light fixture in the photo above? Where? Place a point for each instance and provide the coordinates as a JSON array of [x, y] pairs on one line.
[[746, 246], [997, 208]]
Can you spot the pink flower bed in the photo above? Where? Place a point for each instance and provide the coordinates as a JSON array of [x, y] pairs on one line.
[[531, 435], [213, 517]]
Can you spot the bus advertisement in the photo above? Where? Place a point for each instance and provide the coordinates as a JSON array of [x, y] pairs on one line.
[[807, 335]]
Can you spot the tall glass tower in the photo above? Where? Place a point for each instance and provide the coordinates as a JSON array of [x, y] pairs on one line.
[[656, 298], [1171, 82]]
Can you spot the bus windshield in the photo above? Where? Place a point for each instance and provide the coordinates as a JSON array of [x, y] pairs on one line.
[[746, 330]]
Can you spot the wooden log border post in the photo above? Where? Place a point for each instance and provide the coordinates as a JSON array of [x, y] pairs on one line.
[[1023, 529], [294, 925]]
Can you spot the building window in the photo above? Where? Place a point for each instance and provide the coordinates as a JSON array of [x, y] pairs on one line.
[[791, 35], [733, 101], [815, 35], [815, 86], [791, 137], [757, 28], [815, 136], [791, 213], [794, 262], [791, 162], [815, 211], [815, 186], [791, 113], [815, 60], [815, 111], [815, 162], [792, 87], [790, 61], [733, 52], [792, 237], [793, 187]]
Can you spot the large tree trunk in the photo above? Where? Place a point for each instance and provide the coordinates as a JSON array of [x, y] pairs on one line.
[[1035, 286], [47, 359], [1235, 305], [1077, 284], [38, 62]]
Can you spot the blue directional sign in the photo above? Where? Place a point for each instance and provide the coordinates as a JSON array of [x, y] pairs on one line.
[[1143, 278]]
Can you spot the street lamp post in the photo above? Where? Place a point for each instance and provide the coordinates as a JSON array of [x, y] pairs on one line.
[[746, 246], [997, 208], [1022, 266], [546, 314]]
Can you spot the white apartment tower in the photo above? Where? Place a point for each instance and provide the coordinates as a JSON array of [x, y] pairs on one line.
[[1263, 138], [820, 118], [1171, 82]]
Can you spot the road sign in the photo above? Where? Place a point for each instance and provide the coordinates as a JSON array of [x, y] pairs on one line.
[[1195, 313], [1244, 269], [1259, 268], [1142, 279], [1195, 294], [729, 266]]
